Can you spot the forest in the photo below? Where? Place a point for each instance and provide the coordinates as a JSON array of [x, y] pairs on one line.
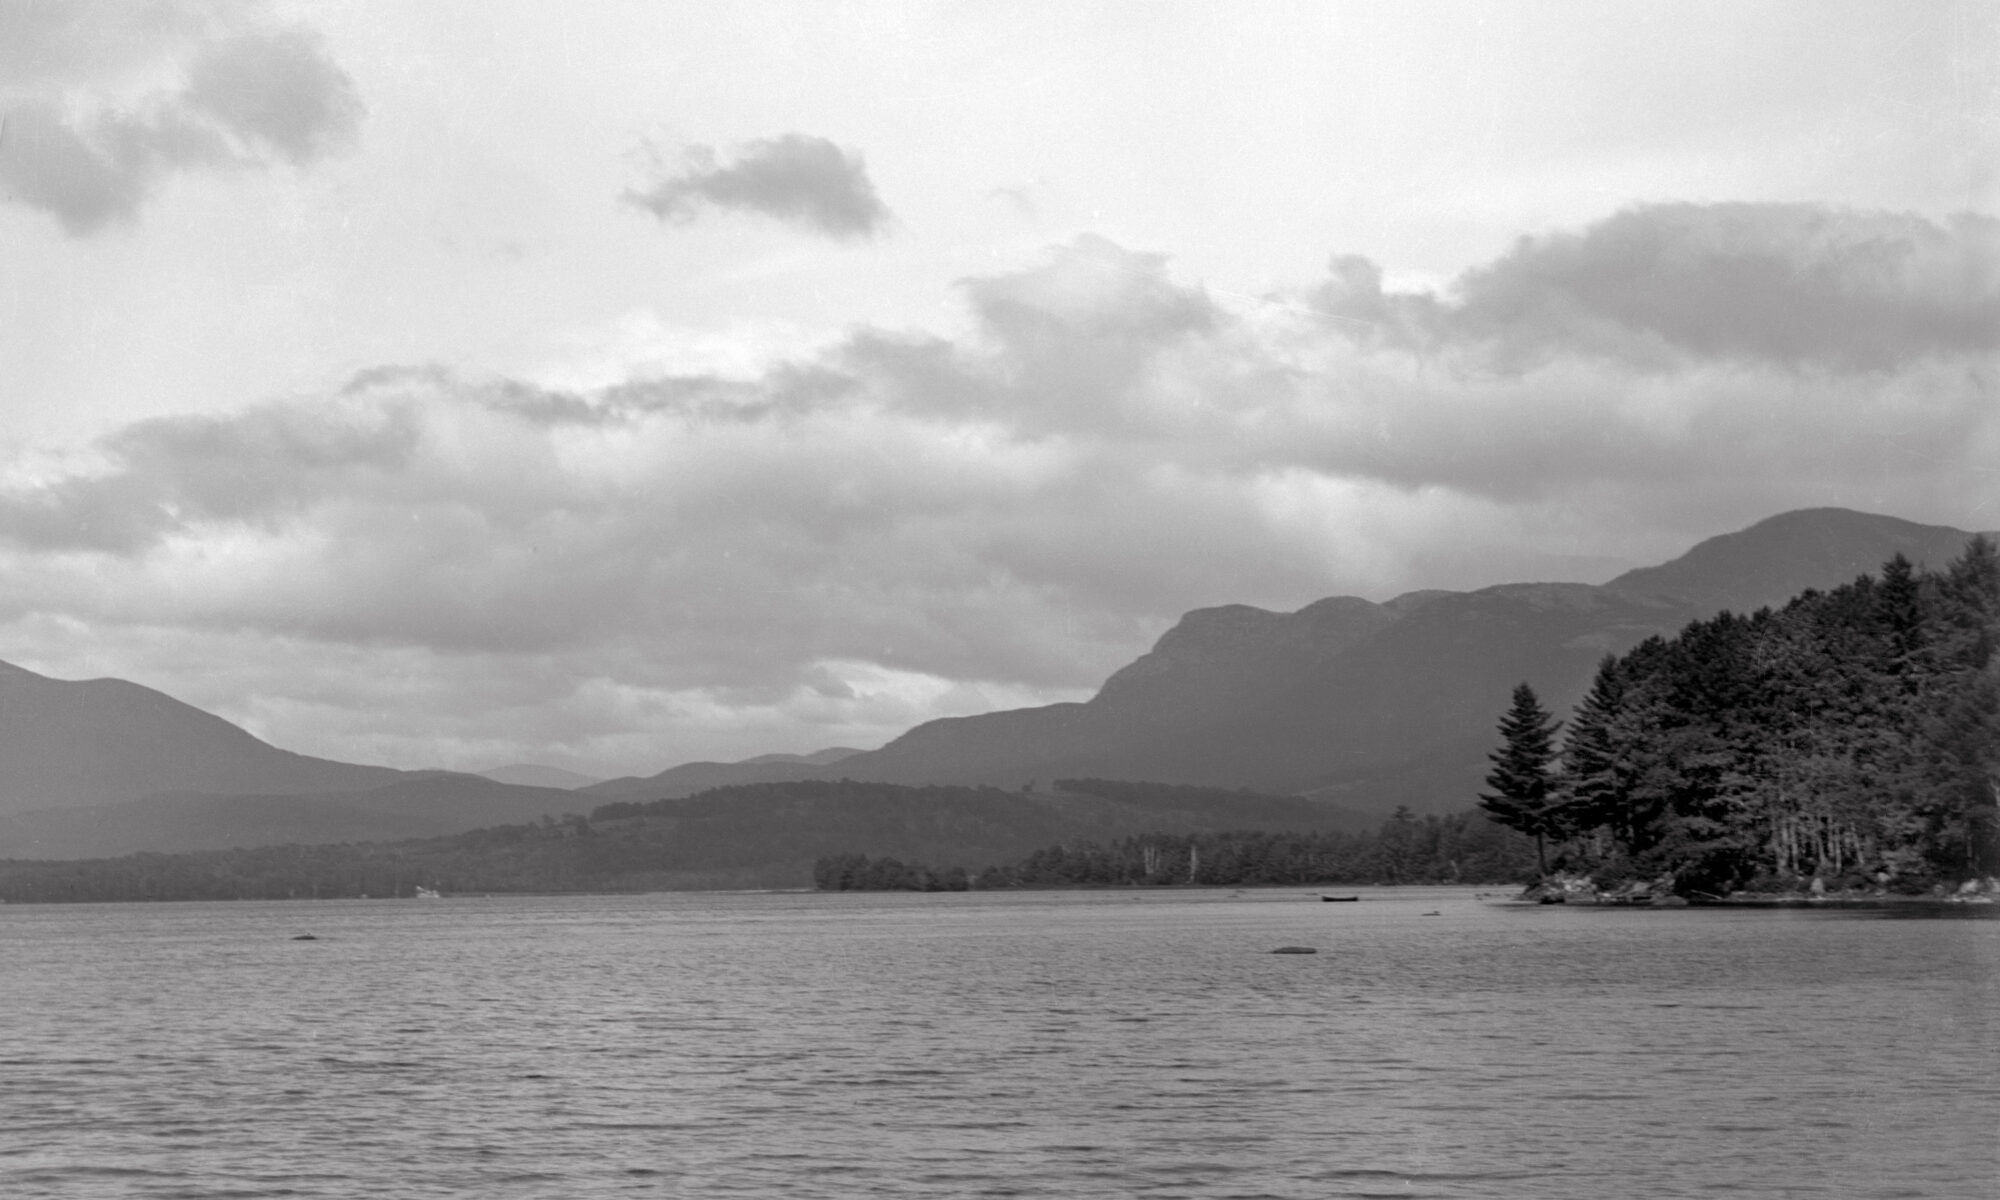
[[1463, 848], [1849, 741]]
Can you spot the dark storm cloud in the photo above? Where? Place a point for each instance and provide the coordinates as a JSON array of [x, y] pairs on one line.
[[803, 180], [251, 93]]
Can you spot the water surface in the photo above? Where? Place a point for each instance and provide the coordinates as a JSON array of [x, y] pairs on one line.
[[993, 1044]]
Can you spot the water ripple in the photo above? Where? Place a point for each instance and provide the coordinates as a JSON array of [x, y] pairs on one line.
[[983, 1045]]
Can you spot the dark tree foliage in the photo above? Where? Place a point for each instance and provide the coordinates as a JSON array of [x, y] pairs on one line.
[[1599, 773], [859, 873], [1464, 848], [1523, 776], [1852, 737]]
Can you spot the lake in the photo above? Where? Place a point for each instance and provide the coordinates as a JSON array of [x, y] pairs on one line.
[[994, 1044]]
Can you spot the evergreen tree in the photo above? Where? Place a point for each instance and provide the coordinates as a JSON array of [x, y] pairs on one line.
[[1523, 780], [1597, 767], [1899, 619]]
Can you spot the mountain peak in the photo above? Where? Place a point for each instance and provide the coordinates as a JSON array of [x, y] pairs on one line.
[[1213, 656], [1777, 558], [76, 743]]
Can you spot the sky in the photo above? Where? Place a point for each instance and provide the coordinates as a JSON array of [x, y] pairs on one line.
[[614, 385]]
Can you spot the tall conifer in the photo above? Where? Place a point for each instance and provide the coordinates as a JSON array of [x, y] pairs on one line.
[[1523, 776]]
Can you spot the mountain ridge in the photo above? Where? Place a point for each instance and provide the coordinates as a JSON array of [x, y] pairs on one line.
[[1374, 704], [538, 775], [1772, 560], [72, 744], [1382, 674]]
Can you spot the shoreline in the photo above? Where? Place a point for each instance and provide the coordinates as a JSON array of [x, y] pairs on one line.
[[1570, 891]]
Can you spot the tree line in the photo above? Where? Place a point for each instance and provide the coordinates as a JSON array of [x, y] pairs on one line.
[[1851, 738], [1463, 847]]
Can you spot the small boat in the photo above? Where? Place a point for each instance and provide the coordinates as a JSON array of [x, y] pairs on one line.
[[424, 893], [1340, 899]]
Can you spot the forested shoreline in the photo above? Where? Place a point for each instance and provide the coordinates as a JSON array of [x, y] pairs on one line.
[[1462, 848], [1849, 741]]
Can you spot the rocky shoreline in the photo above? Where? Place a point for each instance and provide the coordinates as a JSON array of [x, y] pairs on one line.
[[1660, 893]]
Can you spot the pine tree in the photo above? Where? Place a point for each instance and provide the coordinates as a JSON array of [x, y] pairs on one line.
[[1523, 777], [1597, 772]]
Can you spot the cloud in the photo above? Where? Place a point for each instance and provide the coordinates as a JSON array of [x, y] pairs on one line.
[[803, 180], [277, 92], [104, 101], [826, 549], [1791, 284]]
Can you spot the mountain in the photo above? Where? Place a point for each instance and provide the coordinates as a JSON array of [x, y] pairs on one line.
[[536, 775], [1376, 704], [416, 807], [105, 766], [1781, 556], [70, 744], [1214, 664], [1416, 691]]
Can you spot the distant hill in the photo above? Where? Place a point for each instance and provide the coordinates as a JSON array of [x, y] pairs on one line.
[[103, 741], [536, 775], [419, 806], [766, 835], [105, 766], [1777, 558], [690, 778], [777, 830]]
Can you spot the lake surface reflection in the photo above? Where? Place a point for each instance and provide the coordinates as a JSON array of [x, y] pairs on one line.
[[1042, 1044]]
